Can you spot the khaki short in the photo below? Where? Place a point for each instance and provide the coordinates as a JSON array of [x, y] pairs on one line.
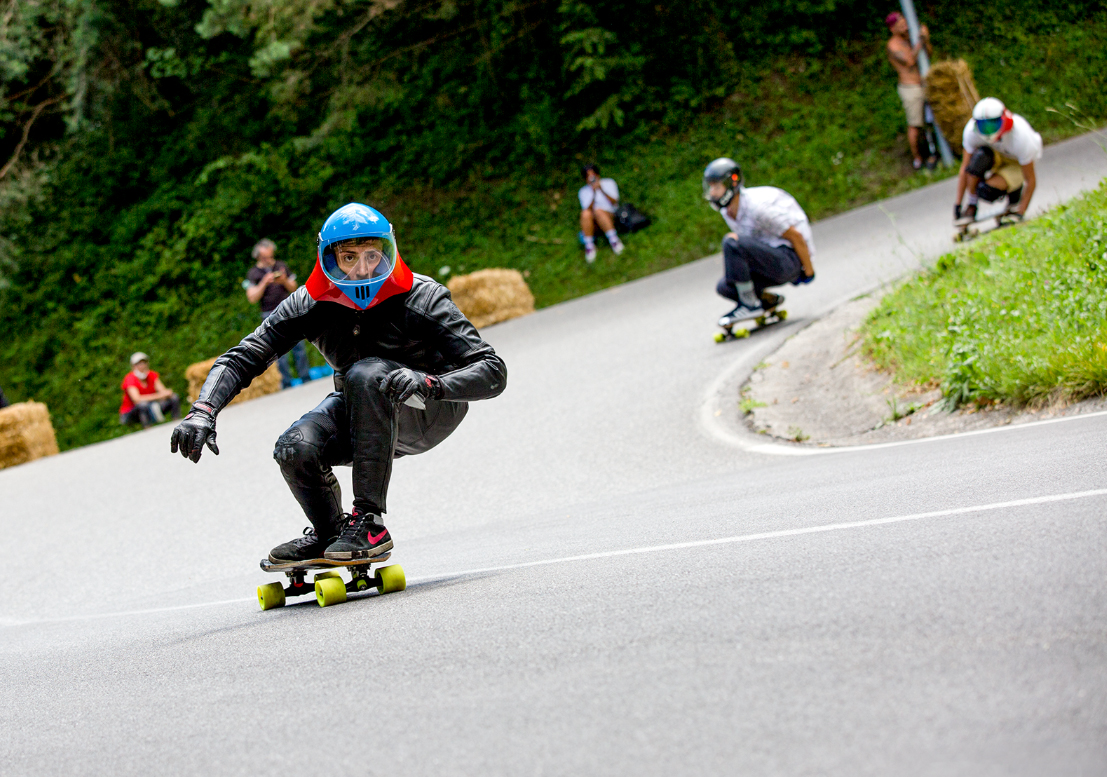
[[1010, 171], [914, 98]]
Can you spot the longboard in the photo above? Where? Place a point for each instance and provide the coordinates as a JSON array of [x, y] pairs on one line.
[[735, 330], [974, 229], [329, 587]]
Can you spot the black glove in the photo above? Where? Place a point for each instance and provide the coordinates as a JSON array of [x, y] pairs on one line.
[[196, 430], [803, 278], [400, 385], [957, 211]]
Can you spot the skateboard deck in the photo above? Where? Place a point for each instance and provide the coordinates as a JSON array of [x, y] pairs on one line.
[[737, 331], [974, 229], [328, 586]]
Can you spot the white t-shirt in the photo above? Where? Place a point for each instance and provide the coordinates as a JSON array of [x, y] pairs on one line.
[[765, 213], [601, 199], [1020, 143]]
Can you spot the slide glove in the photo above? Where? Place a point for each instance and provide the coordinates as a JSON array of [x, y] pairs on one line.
[[196, 430], [957, 211], [803, 278], [411, 387]]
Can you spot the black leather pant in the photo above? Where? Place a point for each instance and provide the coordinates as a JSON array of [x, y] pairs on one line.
[[751, 260], [360, 427]]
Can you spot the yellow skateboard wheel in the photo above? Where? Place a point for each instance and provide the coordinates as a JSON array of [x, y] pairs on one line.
[[391, 579], [329, 573], [271, 595], [782, 314], [760, 320], [741, 333], [330, 591], [719, 337]]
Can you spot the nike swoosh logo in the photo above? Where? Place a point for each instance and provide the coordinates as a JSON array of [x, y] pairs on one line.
[[373, 539]]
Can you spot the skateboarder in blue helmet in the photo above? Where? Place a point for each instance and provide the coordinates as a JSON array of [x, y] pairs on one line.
[[769, 244], [406, 365]]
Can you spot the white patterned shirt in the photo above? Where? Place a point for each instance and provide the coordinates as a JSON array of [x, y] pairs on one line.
[[765, 213]]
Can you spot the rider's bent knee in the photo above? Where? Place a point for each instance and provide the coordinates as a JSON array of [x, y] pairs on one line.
[[367, 373], [298, 448], [989, 193]]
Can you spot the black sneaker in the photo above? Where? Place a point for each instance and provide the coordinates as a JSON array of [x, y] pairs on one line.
[[740, 313], [306, 548], [770, 300], [363, 536]]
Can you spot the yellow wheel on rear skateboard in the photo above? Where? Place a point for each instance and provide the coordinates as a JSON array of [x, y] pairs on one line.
[[324, 575], [271, 595], [741, 333], [782, 314], [760, 320], [330, 591], [391, 579], [719, 337]]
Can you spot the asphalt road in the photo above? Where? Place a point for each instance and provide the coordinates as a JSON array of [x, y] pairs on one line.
[[606, 574]]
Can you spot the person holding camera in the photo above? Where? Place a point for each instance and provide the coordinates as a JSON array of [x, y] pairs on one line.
[[268, 284]]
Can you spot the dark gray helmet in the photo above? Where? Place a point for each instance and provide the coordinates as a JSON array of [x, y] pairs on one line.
[[721, 180]]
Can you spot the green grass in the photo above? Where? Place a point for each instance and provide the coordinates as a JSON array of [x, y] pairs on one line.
[[1018, 317]]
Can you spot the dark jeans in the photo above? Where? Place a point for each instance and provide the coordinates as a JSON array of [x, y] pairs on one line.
[[751, 260], [299, 353], [357, 426], [150, 413]]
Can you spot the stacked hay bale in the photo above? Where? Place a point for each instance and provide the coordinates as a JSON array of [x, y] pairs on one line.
[[26, 434], [269, 382], [490, 296], [952, 94]]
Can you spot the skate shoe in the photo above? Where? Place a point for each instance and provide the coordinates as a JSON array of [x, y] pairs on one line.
[[968, 216], [362, 537], [306, 548], [617, 246], [770, 300], [590, 254], [740, 313]]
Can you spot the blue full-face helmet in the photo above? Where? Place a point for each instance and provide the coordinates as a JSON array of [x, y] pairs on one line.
[[356, 230]]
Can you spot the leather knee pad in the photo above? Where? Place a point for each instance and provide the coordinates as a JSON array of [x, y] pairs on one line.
[[981, 161], [295, 453], [1014, 197], [367, 374]]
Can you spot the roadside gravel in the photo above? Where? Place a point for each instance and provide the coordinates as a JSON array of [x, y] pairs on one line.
[[818, 389]]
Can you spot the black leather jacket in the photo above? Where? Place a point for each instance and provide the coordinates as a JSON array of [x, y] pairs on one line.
[[422, 329]]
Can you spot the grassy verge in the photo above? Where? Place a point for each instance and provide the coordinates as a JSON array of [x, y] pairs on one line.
[[1018, 317]]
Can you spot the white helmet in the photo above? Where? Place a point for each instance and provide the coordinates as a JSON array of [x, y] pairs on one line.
[[992, 118]]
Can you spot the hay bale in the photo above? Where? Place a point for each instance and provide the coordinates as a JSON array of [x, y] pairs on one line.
[[26, 434], [952, 94], [490, 296], [269, 382]]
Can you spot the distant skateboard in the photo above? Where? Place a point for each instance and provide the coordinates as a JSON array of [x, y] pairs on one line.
[[974, 229], [772, 314], [329, 587]]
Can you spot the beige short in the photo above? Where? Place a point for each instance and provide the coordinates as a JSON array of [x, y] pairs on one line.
[[914, 98], [1010, 171]]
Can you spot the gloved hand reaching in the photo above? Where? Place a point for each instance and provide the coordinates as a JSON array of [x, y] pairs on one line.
[[403, 384], [196, 430], [957, 211]]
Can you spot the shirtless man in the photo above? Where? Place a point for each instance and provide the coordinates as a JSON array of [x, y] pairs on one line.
[[905, 59]]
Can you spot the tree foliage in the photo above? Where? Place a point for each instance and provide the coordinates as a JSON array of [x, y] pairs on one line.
[[145, 144]]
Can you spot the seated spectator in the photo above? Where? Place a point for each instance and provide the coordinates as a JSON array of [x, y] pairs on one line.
[[598, 199], [146, 400]]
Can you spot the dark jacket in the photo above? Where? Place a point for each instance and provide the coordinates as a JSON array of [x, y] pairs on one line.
[[422, 329]]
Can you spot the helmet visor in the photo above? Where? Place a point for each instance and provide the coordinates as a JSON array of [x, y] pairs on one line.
[[988, 127], [359, 259]]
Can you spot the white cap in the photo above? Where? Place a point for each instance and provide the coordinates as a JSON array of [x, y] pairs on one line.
[[138, 356]]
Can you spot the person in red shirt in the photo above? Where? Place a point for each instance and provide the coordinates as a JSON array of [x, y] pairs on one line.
[[146, 400]]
